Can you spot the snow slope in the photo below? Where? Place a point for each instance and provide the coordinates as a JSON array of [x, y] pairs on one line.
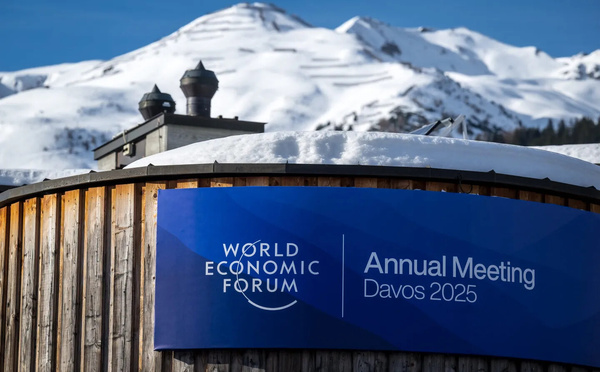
[[388, 149], [276, 68], [588, 152]]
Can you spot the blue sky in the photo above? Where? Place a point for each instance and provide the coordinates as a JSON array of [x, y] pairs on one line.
[[43, 32]]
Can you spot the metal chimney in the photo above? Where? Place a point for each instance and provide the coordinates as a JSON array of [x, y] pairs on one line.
[[155, 102], [199, 86]]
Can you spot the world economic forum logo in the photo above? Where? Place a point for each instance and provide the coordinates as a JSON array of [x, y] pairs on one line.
[[267, 274]]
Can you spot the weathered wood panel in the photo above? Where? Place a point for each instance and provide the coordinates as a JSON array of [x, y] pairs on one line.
[[503, 365], [11, 327], [150, 360], [473, 364], [69, 302], [222, 182], [365, 182], [93, 274], [122, 341], [29, 284], [531, 196], [554, 199], [48, 284], [257, 181], [577, 204], [369, 361], [4, 214], [329, 181], [405, 362], [329, 360], [441, 186]]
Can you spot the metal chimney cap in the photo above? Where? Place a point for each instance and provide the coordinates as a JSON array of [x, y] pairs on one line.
[[155, 102], [200, 75], [157, 95]]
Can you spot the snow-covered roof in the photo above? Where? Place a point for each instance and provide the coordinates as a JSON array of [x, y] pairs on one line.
[[588, 152], [386, 149]]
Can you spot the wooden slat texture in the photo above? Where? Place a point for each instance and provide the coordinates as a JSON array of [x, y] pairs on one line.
[[504, 192], [48, 284], [187, 184], [595, 208], [183, 361], [11, 328], [369, 361], [93, 274], [122, 341], [439, 362], [222, 182], [400, 184], [557, 368], [4, 214], [554, 199], [417, 185], [29, 284], [290, 360], [405, 362], [329, 181], [577, 204], [150, 360], [440, 186], [328, 360], [257, 181], [527, 366], [531, 196], [69, 303], [472, 364], [503, 365], [365, 182], [299, 181], [218, 361]]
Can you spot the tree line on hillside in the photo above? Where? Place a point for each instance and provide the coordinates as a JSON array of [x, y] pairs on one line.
[[580, 131]]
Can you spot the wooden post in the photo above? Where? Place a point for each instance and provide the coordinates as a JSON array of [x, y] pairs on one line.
[[29, 284], [150, 360], [48, 284], [93, 274], [11, 327], [69, 310], [122, 341], [4, 230]]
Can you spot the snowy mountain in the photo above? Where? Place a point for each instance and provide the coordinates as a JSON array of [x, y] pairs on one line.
[[276, 68]]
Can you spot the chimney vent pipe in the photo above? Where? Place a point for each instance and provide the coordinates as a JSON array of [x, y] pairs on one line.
[[199, 86]]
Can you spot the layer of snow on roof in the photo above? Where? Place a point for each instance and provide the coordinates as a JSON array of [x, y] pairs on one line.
[[20, 177], [386, 149], [588, 152]]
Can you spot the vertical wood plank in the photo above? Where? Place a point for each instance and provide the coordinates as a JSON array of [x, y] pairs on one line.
[[299, 181], [4, 236], [504, 192], [308, 361], [329, 360], [577, 204], [365, 182], [11, 328], [183, 361], [329, 181], [595, 208], [555, 368], [222, 182], [187, 184], [554, 199], [93, 274], [29, 284], [122, 340], [440, 186], [417, 185], [472, 364], [527, 366], [531, 196], [150, 359], [218, 361], [439, 362], [69, 310], [369, 361], [398, 183], [503, 365], [257, 181], [48, 284], [290, 360], [253, 360], [405, 362]]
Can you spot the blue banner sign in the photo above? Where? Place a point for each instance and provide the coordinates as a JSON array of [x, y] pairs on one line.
[[349, 268]]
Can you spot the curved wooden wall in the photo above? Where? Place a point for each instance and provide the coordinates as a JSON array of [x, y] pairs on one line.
[[77, 285]]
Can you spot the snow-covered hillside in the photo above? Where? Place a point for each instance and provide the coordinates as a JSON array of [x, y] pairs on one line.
[[276, 68]]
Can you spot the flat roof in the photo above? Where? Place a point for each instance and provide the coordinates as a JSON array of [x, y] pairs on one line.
[[141, 130]]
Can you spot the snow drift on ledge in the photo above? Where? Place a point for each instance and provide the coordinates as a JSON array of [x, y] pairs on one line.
[[385, 149]]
